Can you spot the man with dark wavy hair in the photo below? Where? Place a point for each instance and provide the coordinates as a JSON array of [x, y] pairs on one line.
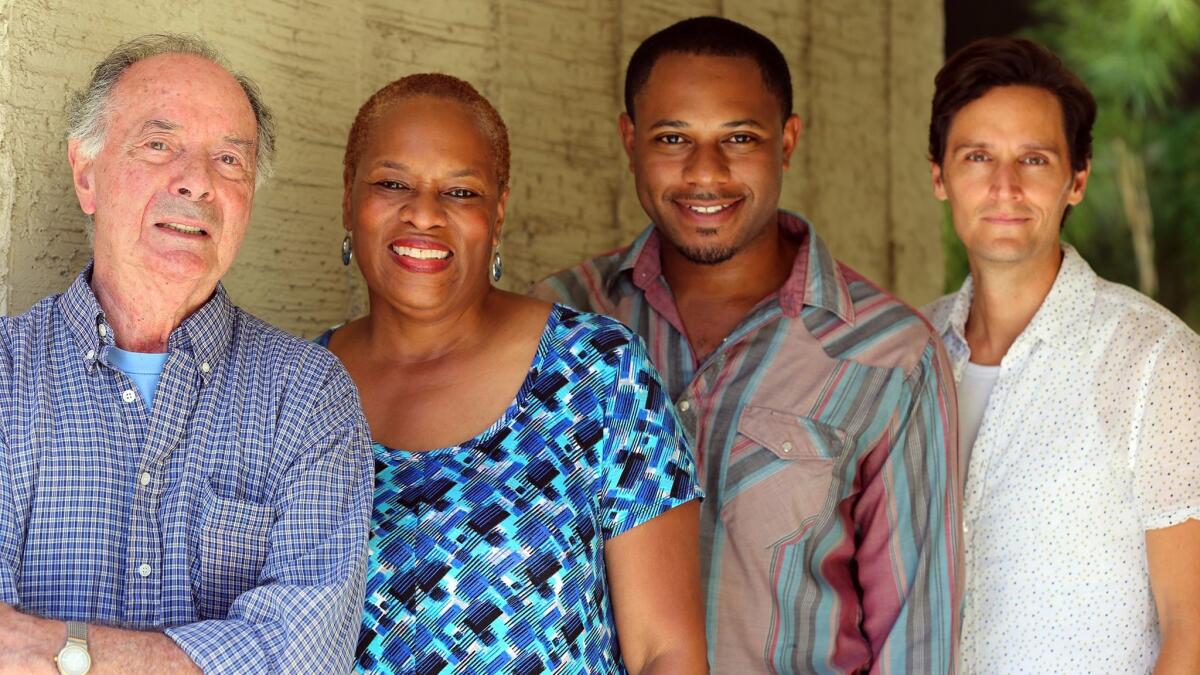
[[182, 487], [818, 404], [1079, 399]]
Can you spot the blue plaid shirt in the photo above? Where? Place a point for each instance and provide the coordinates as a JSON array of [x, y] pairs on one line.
[[234, 516]]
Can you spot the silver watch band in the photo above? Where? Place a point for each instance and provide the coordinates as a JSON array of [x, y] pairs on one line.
[[77, 630]]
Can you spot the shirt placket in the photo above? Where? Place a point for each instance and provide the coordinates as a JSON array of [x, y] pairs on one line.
[[982, 458], [161, 434], [141, 558], [695, 404]]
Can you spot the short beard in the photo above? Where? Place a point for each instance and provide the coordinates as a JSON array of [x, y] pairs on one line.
[[708, 255]]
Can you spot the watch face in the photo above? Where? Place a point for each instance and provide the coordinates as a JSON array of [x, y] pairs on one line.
[[74, 660]]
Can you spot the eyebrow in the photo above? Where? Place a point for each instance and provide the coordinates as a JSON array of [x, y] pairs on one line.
[[461, 173], [680, 124], [164, 125], [1040, 147]]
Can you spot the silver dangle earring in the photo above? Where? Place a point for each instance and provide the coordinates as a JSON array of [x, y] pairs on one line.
[[497, 266], [347, 251]]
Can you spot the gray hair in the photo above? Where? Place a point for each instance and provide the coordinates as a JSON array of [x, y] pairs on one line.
[[87, 112]]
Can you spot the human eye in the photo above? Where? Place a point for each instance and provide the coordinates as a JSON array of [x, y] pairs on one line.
[[462, 193], [742, 139], [670, 139], [229, 159], [157, 144], [976, 156], [1035, 160], [391, 185]]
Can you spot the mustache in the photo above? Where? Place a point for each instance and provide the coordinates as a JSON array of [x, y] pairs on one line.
[[688, 195], [178, 208]]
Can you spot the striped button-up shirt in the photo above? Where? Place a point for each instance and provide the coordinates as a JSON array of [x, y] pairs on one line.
[[233, 516], [824, 426]]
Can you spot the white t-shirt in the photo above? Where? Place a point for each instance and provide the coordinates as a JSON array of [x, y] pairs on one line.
[[1090, 438], [974, 390]]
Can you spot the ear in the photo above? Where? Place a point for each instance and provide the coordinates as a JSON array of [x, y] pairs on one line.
[[501, 204], [1079, 184], [82, 173], [792, 128], [939, 186], [627, 131]]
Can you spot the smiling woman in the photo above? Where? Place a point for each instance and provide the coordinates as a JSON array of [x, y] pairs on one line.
[[532, 481]]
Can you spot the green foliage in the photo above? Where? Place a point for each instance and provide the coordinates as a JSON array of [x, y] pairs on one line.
[[1133, 55]]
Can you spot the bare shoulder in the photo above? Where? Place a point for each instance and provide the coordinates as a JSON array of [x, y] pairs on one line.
[[523, 313]]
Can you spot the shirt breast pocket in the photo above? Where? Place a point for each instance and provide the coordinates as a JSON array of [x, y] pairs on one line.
[[783, 479], [230, 550]]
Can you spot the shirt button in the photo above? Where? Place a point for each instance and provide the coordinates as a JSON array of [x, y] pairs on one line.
[[144, 570], [205, 368], [144, 479], [128, 396], [90, 355], [102, 330], [684, 406], [787, 446]]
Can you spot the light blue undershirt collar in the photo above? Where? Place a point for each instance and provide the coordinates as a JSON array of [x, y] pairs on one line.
[[143, 369]]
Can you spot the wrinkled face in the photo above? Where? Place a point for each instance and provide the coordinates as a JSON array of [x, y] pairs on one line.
[[423, 205], [1007, 174], [171, 188], [708, 152]]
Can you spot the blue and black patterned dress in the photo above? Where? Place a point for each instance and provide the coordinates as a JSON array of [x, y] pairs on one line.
[[488, 557]]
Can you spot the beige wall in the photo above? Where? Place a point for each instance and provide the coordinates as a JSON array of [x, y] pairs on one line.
[[862, 70]]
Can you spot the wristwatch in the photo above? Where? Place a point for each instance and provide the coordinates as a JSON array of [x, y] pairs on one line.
[[73, 658]]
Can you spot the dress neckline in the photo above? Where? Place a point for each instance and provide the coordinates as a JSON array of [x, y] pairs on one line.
[[385, 453]]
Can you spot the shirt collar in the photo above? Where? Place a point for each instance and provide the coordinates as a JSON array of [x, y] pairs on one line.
[[1063, 318], [1060, 321], [816, 279], [206, 333]]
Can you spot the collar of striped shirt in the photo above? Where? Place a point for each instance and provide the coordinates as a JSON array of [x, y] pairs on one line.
[[815, 279]]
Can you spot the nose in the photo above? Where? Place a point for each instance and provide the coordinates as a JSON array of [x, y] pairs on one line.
[[194, 181], [424, 210], [706, 165], [1006, 181]]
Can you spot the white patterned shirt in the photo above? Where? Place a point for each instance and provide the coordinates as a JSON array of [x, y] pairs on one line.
[[1090, 438]]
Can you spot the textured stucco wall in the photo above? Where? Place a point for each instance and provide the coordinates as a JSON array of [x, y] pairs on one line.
[[862, 70]]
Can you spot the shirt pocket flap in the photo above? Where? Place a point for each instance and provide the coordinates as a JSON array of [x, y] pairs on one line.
[[791, 437]]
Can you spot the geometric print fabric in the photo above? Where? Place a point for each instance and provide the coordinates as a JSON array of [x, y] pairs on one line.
[[488, 557]]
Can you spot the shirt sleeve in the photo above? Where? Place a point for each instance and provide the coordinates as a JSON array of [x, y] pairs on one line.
[[909, 527], [647, 467], [1166, 453], [305, 614]]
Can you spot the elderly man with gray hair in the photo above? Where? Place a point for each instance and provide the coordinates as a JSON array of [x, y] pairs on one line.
[[182, 486]]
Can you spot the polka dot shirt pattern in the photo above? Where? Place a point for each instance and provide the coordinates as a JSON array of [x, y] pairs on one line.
[[1090, 438]]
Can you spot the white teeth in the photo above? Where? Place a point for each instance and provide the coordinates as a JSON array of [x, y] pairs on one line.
[[707, 209], [185, 229], [421, 253]]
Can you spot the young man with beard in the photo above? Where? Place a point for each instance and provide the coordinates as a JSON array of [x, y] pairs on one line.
[[819, 405]]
